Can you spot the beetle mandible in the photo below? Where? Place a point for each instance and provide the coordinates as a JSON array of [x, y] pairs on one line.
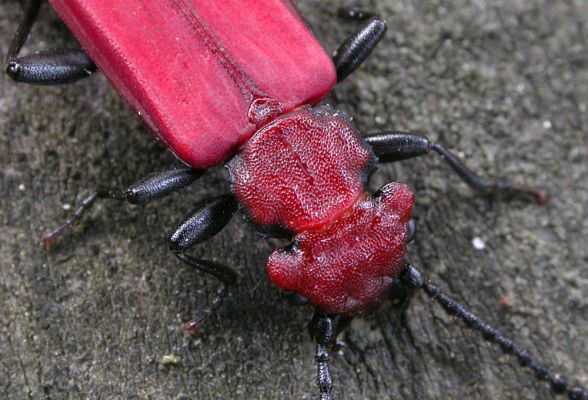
[[342, 209]]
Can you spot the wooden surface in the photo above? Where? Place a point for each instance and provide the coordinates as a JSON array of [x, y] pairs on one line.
[[504, 84]]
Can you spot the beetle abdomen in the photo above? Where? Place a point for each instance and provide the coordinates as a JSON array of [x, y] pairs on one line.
[[349, 267], [301, 171], [195, 70]]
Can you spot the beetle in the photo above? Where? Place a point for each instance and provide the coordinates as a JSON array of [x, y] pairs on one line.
[[215, 212]]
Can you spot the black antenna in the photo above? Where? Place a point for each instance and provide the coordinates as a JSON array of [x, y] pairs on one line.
[[414, 279]]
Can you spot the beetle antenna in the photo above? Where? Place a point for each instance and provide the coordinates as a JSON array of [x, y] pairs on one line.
[[414, 278], [323, 329]]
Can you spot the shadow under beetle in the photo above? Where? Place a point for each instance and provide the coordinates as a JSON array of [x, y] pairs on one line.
[[220, 86]]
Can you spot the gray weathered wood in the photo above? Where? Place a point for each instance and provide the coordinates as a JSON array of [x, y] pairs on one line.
[[503, 83]]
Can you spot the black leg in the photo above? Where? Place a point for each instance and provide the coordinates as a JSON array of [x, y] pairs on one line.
[[51, 67], [355, 49], [413, 278], [209, 218], [151, 187], [394, 146], [22, 33], [196, 325]]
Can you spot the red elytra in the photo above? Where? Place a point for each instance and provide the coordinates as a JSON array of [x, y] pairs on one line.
[[201, 74], [215, 82]]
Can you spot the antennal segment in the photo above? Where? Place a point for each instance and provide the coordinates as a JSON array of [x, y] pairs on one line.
[[414, 278]]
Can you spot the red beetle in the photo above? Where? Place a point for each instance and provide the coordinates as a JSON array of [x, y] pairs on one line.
[[239, 83]]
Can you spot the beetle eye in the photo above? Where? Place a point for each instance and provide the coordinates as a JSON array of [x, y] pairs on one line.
[[411, 230], [295, 299]]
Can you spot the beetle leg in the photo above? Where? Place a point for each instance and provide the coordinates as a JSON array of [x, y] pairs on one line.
[[209, 218], [414, 279], [50, 67], [197, 324], [394, 146], [151, 187], [357, 47]]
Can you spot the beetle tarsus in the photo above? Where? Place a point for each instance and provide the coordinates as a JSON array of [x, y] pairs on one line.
[[49, 239], [223, 273], [488, 187], [196, 325]]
